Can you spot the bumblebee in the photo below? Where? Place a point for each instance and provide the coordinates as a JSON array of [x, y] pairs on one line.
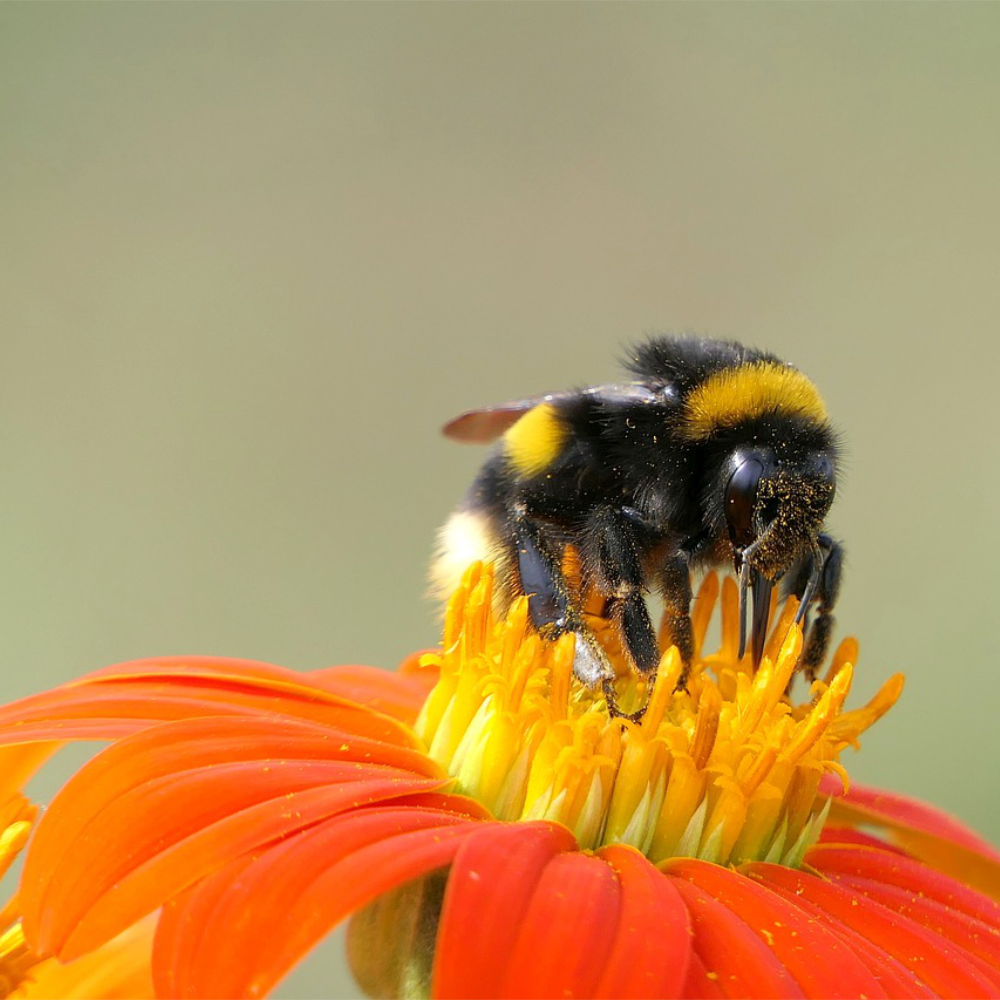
[[714, 454]]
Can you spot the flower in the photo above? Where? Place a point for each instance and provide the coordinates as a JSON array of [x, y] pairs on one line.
[[120, 968], [495, 832]]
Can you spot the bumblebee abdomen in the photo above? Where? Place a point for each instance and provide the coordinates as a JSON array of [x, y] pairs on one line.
[[468, 536], [533, 443]]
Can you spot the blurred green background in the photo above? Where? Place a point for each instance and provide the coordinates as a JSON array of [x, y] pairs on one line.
[[254, 255]]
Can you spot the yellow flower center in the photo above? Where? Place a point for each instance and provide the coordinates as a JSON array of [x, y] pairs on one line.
[[726, 771]]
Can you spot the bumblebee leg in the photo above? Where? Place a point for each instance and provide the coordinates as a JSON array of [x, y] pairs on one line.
[[611, 550], [675, 586], [824, 595], [551, 605], [827, 592]]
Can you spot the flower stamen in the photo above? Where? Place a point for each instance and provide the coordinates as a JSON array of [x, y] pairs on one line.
[[727, 770]]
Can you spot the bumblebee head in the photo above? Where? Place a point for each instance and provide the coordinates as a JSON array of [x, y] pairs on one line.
[[774, 506]]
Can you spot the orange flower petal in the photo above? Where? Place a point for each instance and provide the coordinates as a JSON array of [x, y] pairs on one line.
[[849, 835], [120, 700], [942, 966], [492, 880], [237, 932], [820, 962], [566, 931], [700, 983], [121, 969], [891, 868], [895, 979], [926, 832], [134, 893], [728, 954], [416, 665], [160, 809], [908, 812], [400, 695], [18, 764], [247, 676], [652, 946], [171, 748], [185, 924], [973, 936]]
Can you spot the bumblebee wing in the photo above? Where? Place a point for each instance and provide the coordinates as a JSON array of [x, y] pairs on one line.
[[487, 424], [630, 392]]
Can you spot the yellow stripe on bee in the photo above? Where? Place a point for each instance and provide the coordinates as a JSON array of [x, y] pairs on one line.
[[733, 395], [534, 442]]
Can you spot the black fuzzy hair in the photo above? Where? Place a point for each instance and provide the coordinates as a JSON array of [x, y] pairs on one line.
[[685, 362]]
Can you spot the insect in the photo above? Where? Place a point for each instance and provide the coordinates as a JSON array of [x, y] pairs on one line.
[[714, 454]]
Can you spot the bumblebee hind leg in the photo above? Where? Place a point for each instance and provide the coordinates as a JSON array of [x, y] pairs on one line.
[[675, 587], [612, 544], [611, 552], [553, 606]]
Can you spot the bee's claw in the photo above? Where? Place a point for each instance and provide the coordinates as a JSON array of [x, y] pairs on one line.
[[614, 710]]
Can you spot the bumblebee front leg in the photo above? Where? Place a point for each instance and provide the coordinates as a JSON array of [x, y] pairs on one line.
[[552, 606], [819, 584]]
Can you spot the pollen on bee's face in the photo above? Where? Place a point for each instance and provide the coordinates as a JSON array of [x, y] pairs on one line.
[[727, 770], [791, 511]]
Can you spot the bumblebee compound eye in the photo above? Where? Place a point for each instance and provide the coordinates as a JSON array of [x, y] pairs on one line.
[[741, 495]]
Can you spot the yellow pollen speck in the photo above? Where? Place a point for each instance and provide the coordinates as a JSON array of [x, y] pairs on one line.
[[727, 770], [534, 442], [746, 392]]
